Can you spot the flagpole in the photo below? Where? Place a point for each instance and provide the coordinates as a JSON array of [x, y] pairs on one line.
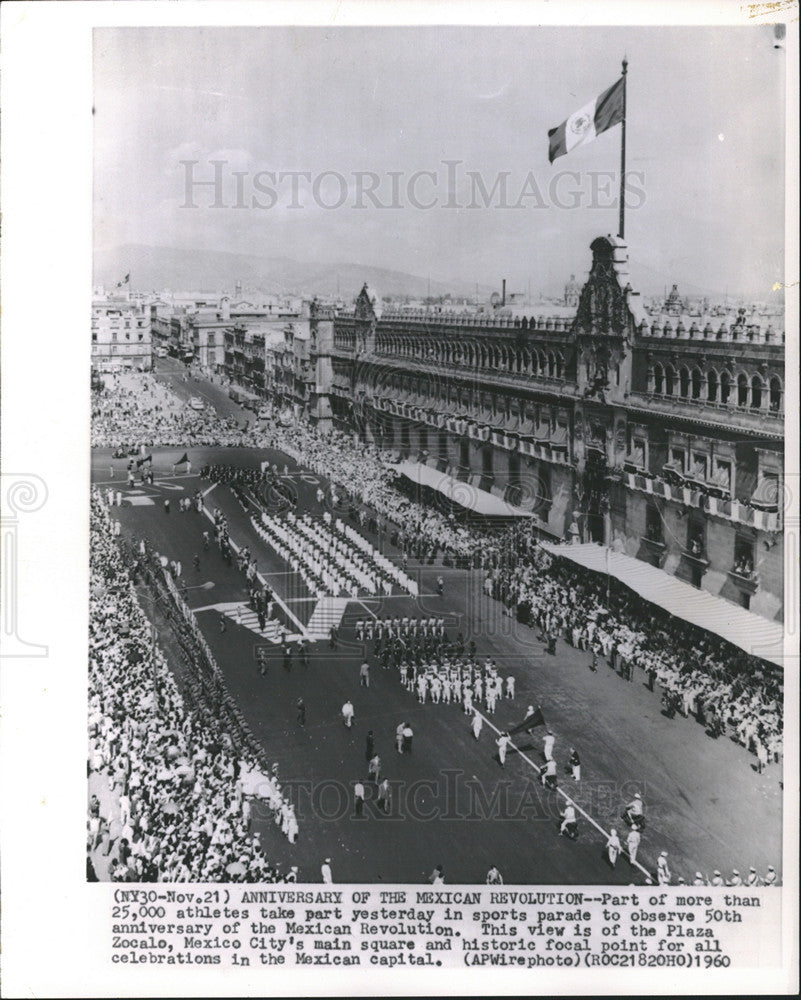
[[622, 226]]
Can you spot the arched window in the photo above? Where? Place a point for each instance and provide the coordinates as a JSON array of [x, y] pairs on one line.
[[659, 379], [684, 383], [742, 390], [725, 387], [670, 380], [775, 395], [756, 393], [712, 386], [698, 381], [551, 365], [560, 365]]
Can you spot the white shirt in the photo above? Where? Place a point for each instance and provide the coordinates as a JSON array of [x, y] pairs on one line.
[[325, 871]]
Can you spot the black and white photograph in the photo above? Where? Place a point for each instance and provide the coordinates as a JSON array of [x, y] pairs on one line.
[[437, 495]]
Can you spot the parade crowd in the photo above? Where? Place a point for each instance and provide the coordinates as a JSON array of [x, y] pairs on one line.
[[173, 800], [728, 691]]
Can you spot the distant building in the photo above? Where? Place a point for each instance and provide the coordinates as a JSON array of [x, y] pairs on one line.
[[121, 338], [572, 292]]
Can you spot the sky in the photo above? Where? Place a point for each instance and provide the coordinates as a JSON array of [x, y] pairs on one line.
[[390, 108]]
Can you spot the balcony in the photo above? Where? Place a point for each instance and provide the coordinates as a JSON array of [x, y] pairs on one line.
[[491, 376], [703, 497], [765, 420], [746, 580]]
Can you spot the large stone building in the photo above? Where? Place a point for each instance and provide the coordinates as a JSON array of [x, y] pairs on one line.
[[657, 433], [120, 334]]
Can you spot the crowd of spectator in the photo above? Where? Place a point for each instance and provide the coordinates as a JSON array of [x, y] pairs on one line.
[[174, 797], [699, 674]]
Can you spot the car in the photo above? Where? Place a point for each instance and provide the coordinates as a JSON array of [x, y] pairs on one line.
[[196, 403]]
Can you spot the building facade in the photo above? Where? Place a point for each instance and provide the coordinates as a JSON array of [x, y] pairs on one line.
[[121, 338], [660, 434]]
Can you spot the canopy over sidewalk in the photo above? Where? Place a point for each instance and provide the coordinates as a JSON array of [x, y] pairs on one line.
[[465, 494], [742, 628]]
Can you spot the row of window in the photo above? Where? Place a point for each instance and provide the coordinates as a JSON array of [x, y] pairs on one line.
[[475, 354], [753, 393]]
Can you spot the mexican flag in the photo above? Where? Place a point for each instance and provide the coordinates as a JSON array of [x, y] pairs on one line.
[[588, 123]]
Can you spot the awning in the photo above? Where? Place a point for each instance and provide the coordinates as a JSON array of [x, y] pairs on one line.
[[757, 636], [465, 494]]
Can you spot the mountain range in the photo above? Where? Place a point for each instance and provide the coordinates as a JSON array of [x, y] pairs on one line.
[[156, 268]]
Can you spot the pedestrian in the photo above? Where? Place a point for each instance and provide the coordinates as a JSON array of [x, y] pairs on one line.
[[325, 871], [358, 798], [612, 847], [494, 877], [502, 743], [374, 768], [287, 657], [384, 795], [196, 563], [548, 741], [347, 714], [633, 812], [440, 586], [633, 844], [364, 674], [575, 764], [369, 745], [736, 878], [167, 506], [407, 738], [477, 723], [717, 878], [662, 869], [399, 737], [770, 878], [569, 827], [752, 878], [699, 879], [762, 756], [510, 686], [332, 637], [548, 775], [222, 624], [437, 877], [301, 712]]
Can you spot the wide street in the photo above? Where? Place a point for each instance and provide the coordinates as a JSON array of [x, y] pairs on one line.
[[452, 802]]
